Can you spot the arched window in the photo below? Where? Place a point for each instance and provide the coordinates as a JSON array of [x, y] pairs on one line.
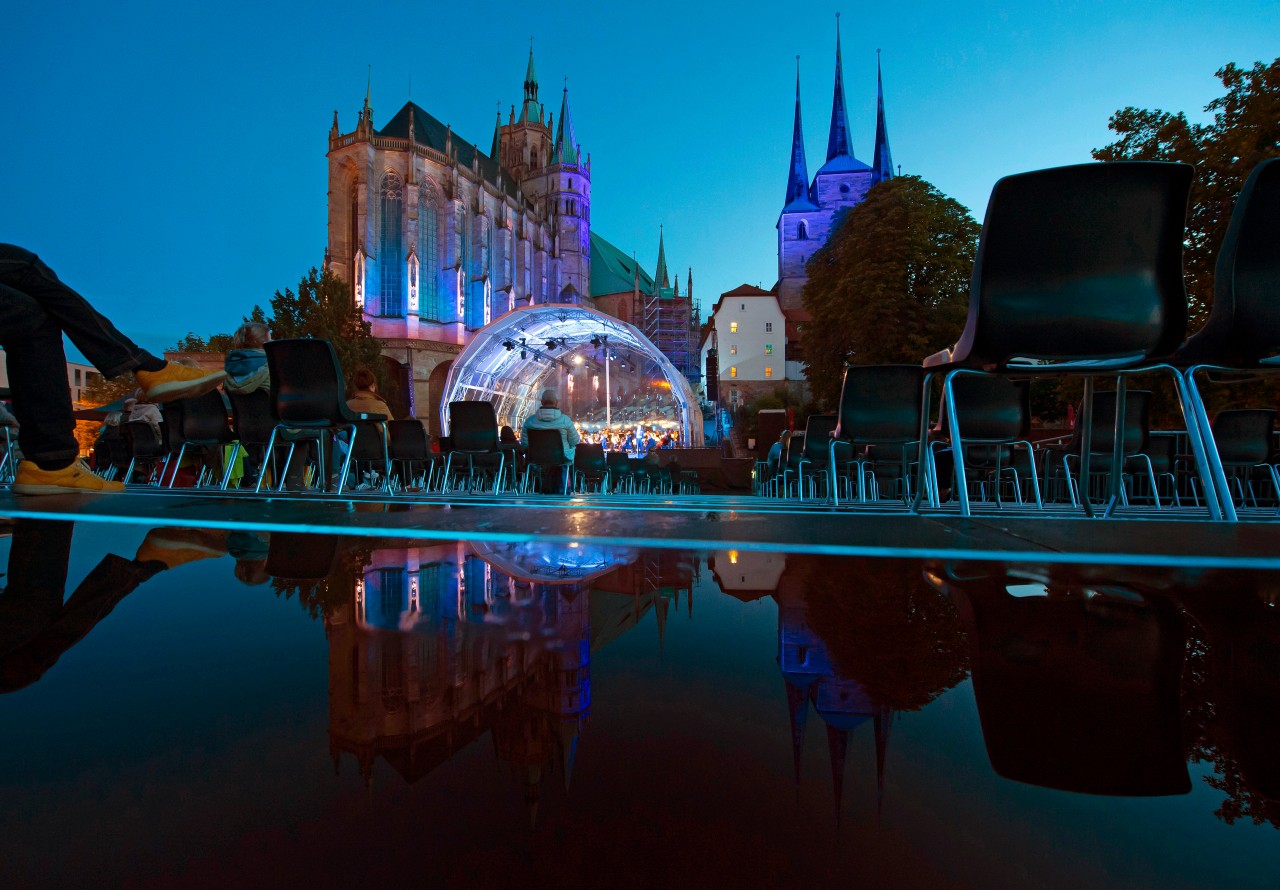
[[463, 259], [429, 255], [391, 246], [803, 231], [353, 225], [482, 244]]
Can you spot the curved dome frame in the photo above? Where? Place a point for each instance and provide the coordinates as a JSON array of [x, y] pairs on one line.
[[491, 368]]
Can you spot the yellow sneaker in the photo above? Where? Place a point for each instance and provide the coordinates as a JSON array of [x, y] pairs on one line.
[[30, 479], [176, 546], [176, 381]]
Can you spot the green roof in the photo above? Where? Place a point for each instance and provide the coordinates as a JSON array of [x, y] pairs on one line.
[[613, 271]]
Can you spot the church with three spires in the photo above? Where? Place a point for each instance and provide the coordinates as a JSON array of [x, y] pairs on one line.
[[438, 238], [745, 355]]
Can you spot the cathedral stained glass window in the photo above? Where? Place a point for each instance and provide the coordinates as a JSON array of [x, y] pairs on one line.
[[391, 264], [429, 256]]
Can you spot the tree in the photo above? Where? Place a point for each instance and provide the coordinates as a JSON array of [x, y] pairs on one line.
[[1244, 131], [891, 285], [322, 308], [195, 343]]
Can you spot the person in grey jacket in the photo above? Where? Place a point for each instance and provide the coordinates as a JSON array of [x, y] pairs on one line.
[[550, 417]]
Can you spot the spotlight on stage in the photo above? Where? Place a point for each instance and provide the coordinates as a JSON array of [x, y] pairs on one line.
[[522, 354], [508, 345], [595, 342], [552, 345]]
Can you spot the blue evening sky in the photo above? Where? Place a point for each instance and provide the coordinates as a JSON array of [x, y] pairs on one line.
[[169, 159]]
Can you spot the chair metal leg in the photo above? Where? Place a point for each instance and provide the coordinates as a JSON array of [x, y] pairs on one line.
[[1203, 447], [961, 484]]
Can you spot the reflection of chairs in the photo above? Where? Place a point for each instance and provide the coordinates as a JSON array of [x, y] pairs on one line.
[[879, 406], [473, 427], [1079, 271], [546, 452], [1243, 331], [299, 557], [407, 446], [203, 423], [1077, 690], [310, 402]]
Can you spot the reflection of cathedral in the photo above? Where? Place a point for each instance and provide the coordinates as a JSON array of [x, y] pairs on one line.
[[439, 644]]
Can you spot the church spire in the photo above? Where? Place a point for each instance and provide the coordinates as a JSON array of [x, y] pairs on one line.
[[881, 160], [839, 143], [660, 278], [497, 136], [798, 175], [566, 150], [531, 111]]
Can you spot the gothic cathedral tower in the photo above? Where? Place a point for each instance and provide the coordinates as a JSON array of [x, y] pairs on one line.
[[556, 175], [811, 207]]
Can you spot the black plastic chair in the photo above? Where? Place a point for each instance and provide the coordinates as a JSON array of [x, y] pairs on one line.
[[369, 446], [879, 406], [620, 475], [590, 467], [253, 418], [410, 451], [310, 402], [473, 428], [1079, 271], [1244, 439], [146, 447], [546, 452], [792, 454], [202, 422], [817, 452], [1243, 331], [1137, 445], [996, 415]]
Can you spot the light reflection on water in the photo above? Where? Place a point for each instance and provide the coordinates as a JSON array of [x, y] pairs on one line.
[[561, 712]]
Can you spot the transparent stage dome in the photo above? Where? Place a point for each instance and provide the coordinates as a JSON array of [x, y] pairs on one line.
[[575, 351]]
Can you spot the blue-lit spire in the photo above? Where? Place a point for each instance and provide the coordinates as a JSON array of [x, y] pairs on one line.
[[566, 149], [798, 174], [660, 275], [531, 111], [881, 160], [839, 143]]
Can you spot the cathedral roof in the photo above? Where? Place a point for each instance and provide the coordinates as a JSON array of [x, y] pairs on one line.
[[612, 271], [430, 132]]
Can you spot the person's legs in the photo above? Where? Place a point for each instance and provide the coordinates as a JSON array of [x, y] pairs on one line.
[[110, 351], [32, 342]]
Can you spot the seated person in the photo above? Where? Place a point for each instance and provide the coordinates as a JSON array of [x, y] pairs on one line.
[[135, 410], [366, 399], [550, 417], [246, 363]]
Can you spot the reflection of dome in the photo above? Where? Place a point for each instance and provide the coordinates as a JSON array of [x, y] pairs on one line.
[[553, 563]]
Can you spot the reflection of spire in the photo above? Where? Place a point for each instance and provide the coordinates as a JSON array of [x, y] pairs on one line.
[[883, 722], [568, 749], [798, 711], [533, 780], [838, 745]]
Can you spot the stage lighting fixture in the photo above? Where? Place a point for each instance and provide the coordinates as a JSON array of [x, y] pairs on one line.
[[522, 354], [595, 342], [552, 345], [508, 345]]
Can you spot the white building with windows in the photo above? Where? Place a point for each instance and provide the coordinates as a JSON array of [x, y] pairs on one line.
[[746, 350]]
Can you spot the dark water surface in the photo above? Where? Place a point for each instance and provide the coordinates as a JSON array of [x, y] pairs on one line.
[[197, 708]]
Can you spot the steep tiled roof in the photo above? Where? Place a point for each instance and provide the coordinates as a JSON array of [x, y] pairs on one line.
[[613, 271], [430, 132]]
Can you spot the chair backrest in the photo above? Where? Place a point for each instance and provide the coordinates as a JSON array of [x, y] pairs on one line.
[[1245, 435], [617, 461], [993, 410], [253, 416], [202, 419], [880, 404], [1080, 262], [473, 426], [589, 458], [407, 440], [142, 439], [546, 447], [794, 449], [370, 437], [306, 383], [1137, 427], [1244, 323], [817, 437]]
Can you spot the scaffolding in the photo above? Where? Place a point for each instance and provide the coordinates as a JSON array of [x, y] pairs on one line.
[[671, 323]]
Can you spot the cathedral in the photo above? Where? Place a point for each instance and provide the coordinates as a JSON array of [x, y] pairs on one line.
[[438, 238]]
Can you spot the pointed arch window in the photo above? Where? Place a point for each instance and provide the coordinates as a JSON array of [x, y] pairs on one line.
[[429, 255], [802, 232], [391, 265]]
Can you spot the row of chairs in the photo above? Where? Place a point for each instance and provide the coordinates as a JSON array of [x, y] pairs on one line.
[[1079, 271]]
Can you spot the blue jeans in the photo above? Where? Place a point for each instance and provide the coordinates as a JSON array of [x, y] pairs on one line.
[[36, 309]]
